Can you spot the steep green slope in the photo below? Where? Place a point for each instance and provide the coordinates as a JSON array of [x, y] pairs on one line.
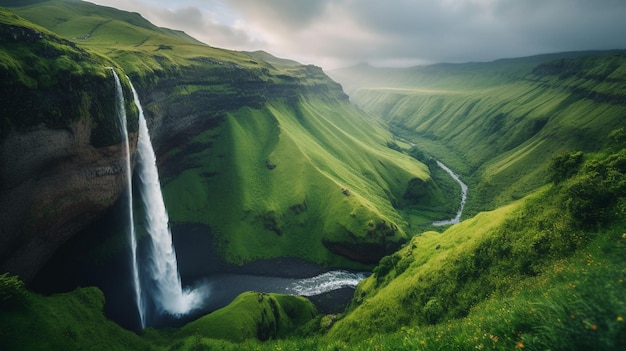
[[545, 271], [293, 179], [498, 124]]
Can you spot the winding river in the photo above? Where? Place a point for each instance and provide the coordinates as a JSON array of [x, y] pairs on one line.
[[454, 176], [457, 218]]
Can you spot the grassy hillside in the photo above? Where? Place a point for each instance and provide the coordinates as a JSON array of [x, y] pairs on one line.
[[298, 180], [498, 124], [127, 38], [545, 272]]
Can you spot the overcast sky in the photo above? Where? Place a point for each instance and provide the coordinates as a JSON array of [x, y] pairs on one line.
[[336, 33]]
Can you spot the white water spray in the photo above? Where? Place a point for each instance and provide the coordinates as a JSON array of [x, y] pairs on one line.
[[326, 282], [121, 112], [166, 289]]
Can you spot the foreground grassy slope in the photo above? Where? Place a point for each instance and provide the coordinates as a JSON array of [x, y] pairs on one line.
[[72, 321], [75, 321], [498, 124], [545, 272]]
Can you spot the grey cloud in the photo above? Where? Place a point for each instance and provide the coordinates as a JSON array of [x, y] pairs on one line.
[[284, 14], [195, 22], [189, 17], [474, 30], [403, 30]]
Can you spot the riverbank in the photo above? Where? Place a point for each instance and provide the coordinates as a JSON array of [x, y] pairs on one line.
[[198, 263]]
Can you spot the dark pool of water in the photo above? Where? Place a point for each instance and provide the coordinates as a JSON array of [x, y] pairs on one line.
[[198, 264]]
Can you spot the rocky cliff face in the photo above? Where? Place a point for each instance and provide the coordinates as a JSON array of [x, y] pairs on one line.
[[61, 157], [54, 183]]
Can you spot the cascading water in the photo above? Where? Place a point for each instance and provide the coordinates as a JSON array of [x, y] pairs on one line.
[[165, 290], [325, 282], [121, 112], [157, 282]]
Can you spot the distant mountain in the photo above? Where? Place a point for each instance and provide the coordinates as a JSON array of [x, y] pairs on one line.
[[271, 59], [470, 75]]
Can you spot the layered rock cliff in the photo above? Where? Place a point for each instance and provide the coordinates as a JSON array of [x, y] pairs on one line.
[[61, 162]]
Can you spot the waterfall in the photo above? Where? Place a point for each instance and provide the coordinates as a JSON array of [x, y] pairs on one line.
[[164, 288], [121, 113]]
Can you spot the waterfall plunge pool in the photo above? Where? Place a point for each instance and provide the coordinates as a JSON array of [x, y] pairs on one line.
[[198, 264]]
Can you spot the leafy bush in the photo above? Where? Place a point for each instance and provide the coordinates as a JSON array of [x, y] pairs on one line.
[[592, 197], [617, 137], [564, 166], [12, 291]]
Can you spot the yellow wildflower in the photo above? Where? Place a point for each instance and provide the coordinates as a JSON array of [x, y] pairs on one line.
[[620, 318]]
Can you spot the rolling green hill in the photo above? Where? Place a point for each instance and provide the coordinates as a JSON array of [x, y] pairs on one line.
[[498, 124]]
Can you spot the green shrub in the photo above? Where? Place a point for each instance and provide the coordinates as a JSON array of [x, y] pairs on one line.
[[564, 166], [12, 291], [617, 137], [593, 196]]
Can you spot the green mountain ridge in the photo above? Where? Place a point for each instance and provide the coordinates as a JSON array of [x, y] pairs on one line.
[[273, 158]]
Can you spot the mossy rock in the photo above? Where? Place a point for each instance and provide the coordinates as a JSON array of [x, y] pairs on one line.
[[254, 315]]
